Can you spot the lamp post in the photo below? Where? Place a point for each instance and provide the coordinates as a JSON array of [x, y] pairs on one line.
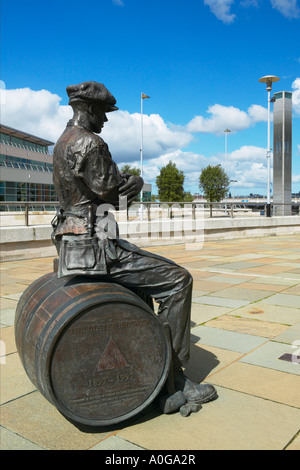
[[269, 79], [143, 97], [226, 133]]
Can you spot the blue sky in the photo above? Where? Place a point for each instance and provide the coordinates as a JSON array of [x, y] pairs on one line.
[[198, 60]]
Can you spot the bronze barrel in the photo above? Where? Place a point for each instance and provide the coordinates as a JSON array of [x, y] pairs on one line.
[[95, 350]]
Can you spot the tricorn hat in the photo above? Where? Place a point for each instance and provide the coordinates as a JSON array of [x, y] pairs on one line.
[[92, 92]]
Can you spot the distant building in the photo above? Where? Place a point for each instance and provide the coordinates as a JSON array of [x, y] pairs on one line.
[[26, 168], [147, 189], [282, 152]]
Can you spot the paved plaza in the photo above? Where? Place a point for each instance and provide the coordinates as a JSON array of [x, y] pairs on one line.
[[245, 339]]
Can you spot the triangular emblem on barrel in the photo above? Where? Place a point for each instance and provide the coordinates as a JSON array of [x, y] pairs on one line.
[[111, 358]]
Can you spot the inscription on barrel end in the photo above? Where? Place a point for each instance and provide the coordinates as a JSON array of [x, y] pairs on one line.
[[101, 373]]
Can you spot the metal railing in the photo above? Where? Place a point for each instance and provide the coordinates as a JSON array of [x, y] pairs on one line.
[[153, 210], [27, 206]]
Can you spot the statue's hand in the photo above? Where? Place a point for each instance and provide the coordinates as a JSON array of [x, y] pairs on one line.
[[132, 187]]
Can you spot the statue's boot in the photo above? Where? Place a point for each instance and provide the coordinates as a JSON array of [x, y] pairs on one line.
[[193, 392]]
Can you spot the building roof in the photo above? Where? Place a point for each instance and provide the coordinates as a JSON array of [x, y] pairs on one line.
[[24, 135]]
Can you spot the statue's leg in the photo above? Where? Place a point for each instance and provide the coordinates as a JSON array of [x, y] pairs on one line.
[[171, 286]]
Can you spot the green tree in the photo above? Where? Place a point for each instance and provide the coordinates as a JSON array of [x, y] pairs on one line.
[[214, 183], [170, 184], [127, 169], [188, 197]]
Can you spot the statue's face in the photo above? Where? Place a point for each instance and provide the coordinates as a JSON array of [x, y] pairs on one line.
[[97, 117]]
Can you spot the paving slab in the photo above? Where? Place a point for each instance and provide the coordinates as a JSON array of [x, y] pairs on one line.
[[221, 301], [197, 274], [289, 275], [210, 286], [262, 286], [228, 279], [258, 381], [295, 444], [8, 316], [258, 258], [248, 326], [7, 336], [271, 313], [290, 336], [274, 280], [230, 340], [236, 266], [199, 264], [265, 269], [235, 421], [16, 295], [14, 381], [267, 259], [11, 441], [202, 313], [252, 295], [198, 293], [295, 290], [285, 300], [12, 291], [290, 264], [268, 356], [7, 303]]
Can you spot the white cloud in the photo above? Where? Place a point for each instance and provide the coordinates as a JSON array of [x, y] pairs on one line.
[[248, 165], [249, 3], [248, 153], [123, 133], [287, 8], [223, 117], [36, 112], [296, 178], [296, 95], [221, 9], [257, 113]]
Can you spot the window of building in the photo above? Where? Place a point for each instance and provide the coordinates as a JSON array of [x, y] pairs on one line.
[[12, 140], [24, 163], [14, 192]]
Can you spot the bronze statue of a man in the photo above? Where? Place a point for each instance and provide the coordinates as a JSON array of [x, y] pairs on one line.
[[86, 179]]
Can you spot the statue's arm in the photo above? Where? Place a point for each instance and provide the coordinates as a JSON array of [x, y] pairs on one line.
[[131, 187], [101, 175]]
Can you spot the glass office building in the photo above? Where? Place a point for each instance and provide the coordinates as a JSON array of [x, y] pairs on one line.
[[282, 153], [26, 168]]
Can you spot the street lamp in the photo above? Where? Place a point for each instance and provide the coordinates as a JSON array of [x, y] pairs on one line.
[[226, 133], [143, 97], [269, 79]]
